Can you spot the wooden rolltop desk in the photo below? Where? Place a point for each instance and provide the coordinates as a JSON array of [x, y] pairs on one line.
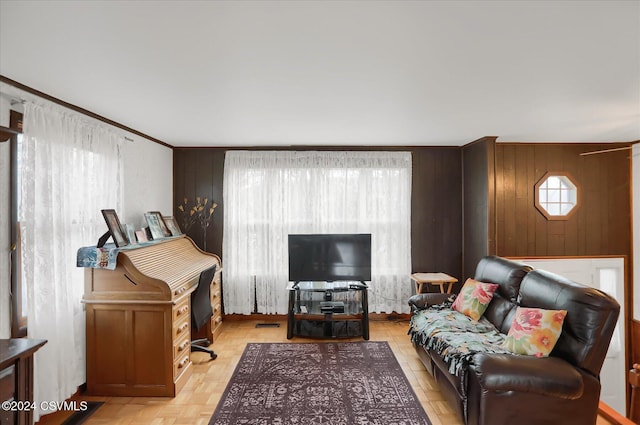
[[139, 318]]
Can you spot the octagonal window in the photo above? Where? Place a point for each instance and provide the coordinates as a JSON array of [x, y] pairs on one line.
[[556, 196]]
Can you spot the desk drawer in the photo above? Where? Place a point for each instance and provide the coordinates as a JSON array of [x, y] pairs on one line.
[[181, 328], [180, 365], [215, 285], [180, 347], [181, 310], [216, 295], [8, 384], [216, 325]]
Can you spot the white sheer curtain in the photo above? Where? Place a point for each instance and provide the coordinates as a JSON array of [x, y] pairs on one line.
[[270, 194], [71, 169]]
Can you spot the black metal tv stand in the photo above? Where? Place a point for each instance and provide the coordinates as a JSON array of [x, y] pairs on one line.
[[328, 310]]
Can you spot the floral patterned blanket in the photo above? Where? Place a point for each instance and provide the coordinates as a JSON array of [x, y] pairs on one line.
[[454, 336]]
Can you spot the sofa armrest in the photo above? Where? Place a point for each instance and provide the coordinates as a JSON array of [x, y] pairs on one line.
[[422, 301], [549, 376]]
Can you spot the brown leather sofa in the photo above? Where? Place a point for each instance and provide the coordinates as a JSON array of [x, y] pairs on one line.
[[563, 388]]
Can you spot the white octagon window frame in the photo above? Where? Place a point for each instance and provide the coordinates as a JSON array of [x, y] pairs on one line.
[[557, 195]]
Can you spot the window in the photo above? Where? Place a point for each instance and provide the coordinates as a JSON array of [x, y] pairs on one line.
[[556, 196], [71, 168], [18, 289], [268, 195]]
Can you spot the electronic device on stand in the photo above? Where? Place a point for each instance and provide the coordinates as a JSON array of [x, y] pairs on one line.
[[327, 289]]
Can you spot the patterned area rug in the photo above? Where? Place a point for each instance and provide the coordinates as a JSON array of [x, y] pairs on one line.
[[342, 383]]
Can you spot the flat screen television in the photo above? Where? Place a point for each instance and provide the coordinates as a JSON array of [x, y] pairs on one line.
[[330, 257]]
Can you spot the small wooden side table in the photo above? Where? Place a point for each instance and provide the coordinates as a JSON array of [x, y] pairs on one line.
[[16, 377], [439, 279]]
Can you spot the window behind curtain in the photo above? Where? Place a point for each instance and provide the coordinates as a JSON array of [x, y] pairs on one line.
[[268, 195], [19, 310], [71, 168]]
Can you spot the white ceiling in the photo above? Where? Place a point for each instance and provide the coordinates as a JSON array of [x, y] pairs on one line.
[[251, 73]]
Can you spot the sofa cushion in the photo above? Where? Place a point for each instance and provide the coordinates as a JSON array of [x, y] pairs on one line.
[[534, 331], [454, 336], [508, 274], [549, 376], [591, 316], [474, 297]]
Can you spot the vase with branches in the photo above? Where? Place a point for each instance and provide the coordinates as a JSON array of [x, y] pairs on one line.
[[200, 212]]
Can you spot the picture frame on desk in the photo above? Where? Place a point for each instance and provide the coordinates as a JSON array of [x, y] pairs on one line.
[[173, 226], [131, 233], [141, 235], [157, 226], [115, 228]]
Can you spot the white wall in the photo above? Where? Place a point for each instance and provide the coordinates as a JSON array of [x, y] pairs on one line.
[[148, 186], [148, 177]]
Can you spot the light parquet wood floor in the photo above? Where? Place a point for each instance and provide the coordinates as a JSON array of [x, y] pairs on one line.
[[195, 404]]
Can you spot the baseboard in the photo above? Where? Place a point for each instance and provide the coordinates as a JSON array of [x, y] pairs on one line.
[[78, 418], [253, 316], [613, 416], [61, 417], [381, 317]]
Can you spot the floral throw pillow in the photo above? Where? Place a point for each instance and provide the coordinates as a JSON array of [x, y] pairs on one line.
[[474, 297], [534, 331]]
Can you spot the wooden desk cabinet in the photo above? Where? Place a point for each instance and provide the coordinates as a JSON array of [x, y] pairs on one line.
[[139, 319], [16, 377]]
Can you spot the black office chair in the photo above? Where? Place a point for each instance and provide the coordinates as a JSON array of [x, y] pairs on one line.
[[201, 311]]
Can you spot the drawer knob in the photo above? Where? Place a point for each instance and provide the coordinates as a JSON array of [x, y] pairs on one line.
[[183, 362], [182, 328], [183, 346], [183, 310]]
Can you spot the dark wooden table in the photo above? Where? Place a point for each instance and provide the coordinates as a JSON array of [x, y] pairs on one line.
[[16, 379]]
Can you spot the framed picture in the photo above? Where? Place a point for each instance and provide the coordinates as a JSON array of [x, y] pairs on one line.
[[131, 233], [115, 228], [173, 226], [141, 235], [157, 227], [163, 225]]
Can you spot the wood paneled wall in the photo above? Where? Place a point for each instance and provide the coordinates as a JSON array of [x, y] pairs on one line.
[[499, 213], [478, 167], [436, 206], [436, 211], [600, 226], [199, 172]]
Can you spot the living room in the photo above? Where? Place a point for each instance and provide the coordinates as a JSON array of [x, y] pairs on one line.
[[528, 89]]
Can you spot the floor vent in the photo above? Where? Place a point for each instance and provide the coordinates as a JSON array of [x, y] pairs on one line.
[[267, 325]]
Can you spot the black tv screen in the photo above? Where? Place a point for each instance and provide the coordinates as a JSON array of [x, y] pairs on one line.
[[330, 257]]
